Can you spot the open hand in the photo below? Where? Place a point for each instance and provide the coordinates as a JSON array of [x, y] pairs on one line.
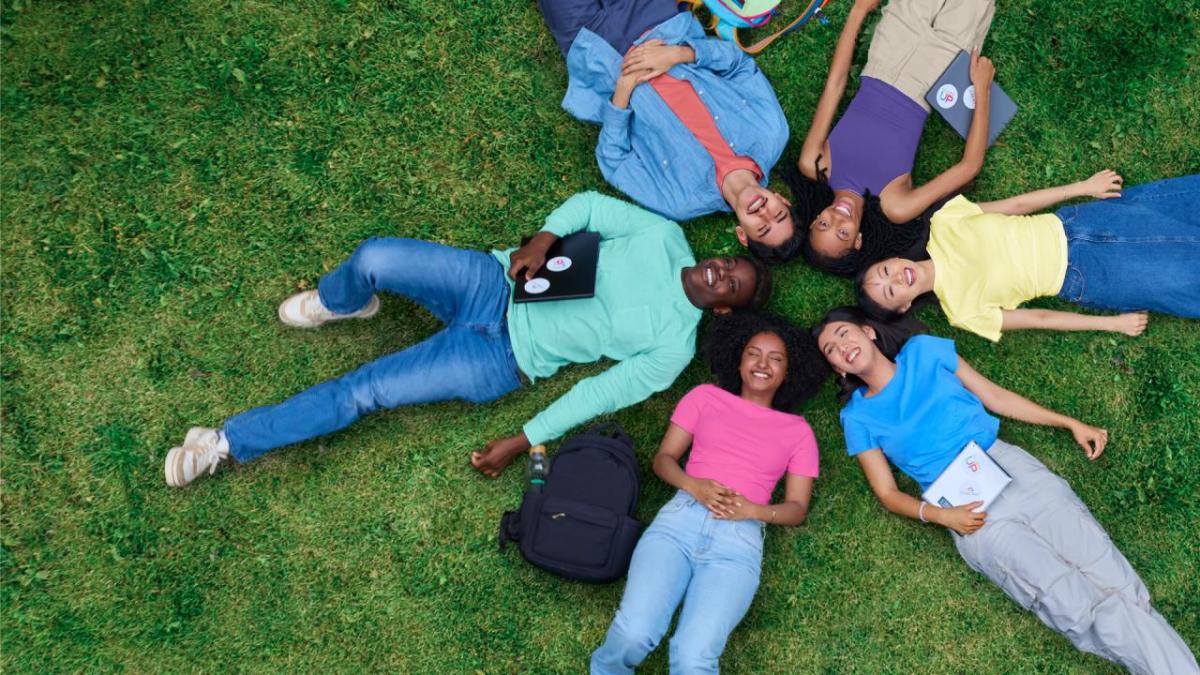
[[531, 256], [712, 495], [963, 519], [1091, 439], [982, 72], [1104, 184]]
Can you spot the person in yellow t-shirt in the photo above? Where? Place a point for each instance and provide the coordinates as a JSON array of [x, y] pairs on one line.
[[1128, 252]]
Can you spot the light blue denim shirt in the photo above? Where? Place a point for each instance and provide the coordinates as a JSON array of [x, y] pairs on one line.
[[644, 150]]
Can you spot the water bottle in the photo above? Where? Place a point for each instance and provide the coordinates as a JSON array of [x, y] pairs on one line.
[[535, 468]]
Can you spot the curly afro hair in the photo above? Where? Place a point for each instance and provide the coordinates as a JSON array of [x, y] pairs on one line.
[[881, 238], [727, 338]]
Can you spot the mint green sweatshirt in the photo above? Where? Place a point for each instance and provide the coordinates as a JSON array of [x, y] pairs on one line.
[[639, 316]]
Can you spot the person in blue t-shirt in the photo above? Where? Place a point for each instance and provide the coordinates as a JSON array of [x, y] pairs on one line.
[[1038, 542]]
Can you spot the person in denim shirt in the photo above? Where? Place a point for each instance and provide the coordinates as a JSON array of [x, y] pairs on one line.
[[688, 124]]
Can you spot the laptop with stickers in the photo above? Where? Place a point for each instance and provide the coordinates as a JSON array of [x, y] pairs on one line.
[[953, 96], [568, 273], [972, 476]]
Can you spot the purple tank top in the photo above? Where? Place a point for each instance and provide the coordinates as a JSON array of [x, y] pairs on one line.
[[876, 138]]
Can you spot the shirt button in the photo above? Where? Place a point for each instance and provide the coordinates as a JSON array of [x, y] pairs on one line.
[[716, 117], [700, 92], [664, 162]]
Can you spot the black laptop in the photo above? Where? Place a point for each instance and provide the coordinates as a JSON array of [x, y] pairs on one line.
[[569, 271], [953, 96]]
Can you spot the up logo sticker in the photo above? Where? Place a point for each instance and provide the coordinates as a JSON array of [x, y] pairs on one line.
[[947, 96], [972, 464]]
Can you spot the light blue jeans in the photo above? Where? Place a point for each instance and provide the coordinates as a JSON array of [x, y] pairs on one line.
[[470, 359], [1141, 251], [712, 565]]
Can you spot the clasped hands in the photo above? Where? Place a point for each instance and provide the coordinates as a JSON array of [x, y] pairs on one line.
[[724, 503], [649, 60]]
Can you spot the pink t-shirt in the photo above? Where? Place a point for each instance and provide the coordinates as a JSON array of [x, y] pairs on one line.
[[742, 445], [680, 96]]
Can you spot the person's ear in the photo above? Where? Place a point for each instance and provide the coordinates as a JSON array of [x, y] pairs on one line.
[[870, 332], [723, 310], [858, 241], [741, 236], [783, 199], [907, 306]]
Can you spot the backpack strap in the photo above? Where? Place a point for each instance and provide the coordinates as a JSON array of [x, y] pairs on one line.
[[813, 10], [510, 529]]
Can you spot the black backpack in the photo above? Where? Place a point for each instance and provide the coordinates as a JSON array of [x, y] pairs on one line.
[[581, 525]]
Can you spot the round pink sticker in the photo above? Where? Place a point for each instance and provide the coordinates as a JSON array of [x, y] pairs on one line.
[[559, 264], [947, 96], [969, 97]]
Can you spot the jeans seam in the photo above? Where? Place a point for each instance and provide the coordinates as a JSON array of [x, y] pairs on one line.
[[1098, 239]]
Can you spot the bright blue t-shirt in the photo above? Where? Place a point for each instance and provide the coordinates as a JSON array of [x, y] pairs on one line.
[[923, 417]]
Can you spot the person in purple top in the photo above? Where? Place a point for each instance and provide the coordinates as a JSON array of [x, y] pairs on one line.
[[854, 180]]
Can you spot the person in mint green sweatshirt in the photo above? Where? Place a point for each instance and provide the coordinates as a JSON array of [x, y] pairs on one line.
[[650, 293]]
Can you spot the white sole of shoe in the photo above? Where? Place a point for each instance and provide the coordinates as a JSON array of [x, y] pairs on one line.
[[367, 312], [171, 468]]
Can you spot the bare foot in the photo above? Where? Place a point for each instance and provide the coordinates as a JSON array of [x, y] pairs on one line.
[[1131, 323], [498, 454]]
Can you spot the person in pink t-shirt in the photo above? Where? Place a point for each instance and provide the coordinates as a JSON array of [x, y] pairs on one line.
[[705, 546]]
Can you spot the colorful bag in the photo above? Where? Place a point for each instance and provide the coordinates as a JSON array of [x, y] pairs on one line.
[[730, 15]]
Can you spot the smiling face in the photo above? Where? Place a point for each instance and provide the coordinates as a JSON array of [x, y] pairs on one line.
[[764, 365], [836, 230], [763, 216], [720, 283], [894, 283], [848, 347]]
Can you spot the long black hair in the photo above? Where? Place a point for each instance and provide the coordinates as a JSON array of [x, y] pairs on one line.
[[728, 336], [881, 238], [890, 337]]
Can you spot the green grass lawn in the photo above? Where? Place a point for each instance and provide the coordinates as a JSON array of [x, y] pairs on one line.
[[170, 171]]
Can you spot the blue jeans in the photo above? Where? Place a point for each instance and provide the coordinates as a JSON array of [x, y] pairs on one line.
[[471, 358], [1141, 251], [712, 565], [619, 22]]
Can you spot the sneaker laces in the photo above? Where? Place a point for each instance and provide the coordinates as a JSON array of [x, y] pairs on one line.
[[313, 309], [209, 453]]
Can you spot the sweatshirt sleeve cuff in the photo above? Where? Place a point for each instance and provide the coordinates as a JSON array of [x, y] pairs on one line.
[[537, 433]]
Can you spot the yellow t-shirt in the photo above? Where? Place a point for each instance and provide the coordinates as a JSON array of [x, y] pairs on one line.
[[986, 262]]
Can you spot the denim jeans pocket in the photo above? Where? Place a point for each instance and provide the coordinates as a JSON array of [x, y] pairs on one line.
[[677, 503], [1073, 285], [749, 532]]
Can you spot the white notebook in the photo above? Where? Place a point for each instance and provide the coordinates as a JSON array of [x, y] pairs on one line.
[[972, 476]]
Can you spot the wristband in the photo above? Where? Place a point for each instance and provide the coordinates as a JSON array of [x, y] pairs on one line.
[[921, 513]]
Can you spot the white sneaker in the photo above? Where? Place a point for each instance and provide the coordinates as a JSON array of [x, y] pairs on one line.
[[305, 310], [202, 450]]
